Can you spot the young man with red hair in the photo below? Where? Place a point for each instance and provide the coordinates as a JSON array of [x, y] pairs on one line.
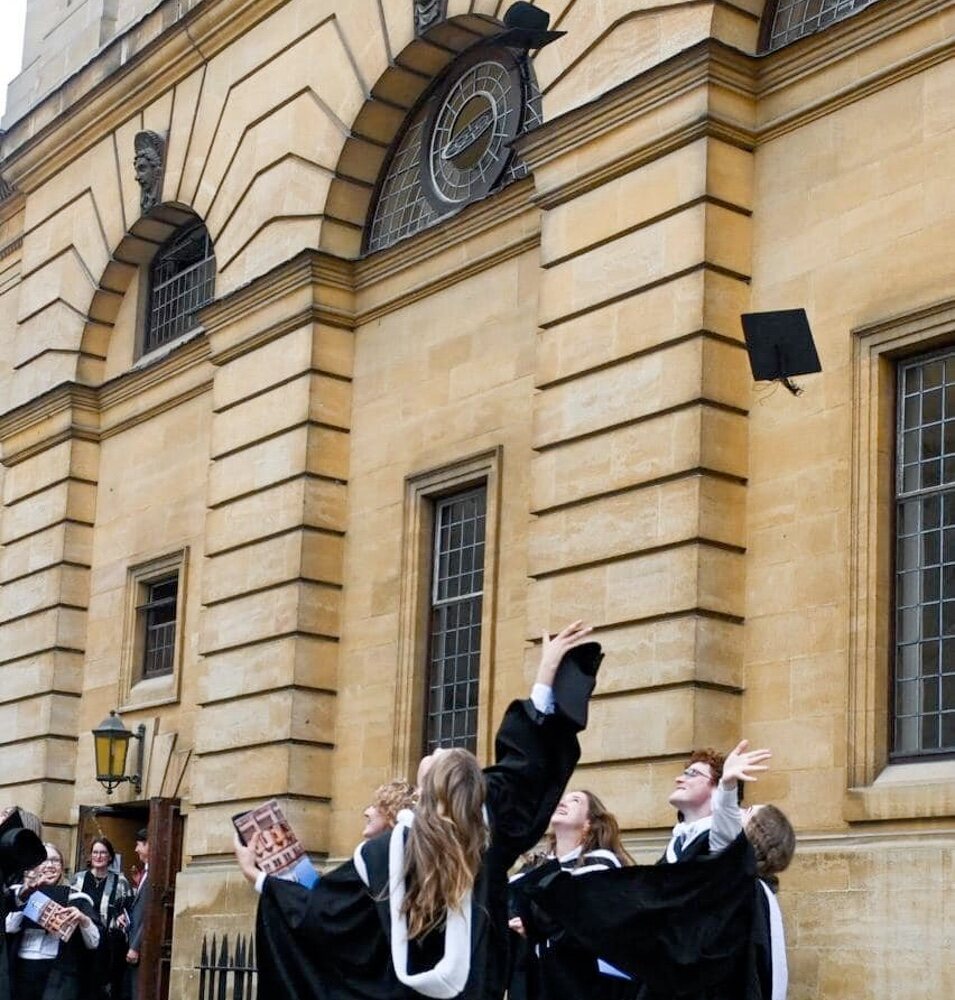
[[706, 798]]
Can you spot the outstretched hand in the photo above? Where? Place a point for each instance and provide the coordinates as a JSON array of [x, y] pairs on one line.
[[741, 763], [553, 649], [246, 858]]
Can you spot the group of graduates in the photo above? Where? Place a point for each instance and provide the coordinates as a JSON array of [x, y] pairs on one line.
[[98, 960], [442, 898]]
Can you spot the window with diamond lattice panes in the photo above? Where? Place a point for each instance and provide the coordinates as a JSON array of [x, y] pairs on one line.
[[924, 675], [790, 20], [456, 148], [454, 655]]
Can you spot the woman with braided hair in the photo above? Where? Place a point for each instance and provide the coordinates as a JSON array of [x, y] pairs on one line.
[[774, 842]]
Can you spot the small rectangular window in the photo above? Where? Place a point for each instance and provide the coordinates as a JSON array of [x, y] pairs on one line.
[[457, 592], [924, 676], [157, 624]]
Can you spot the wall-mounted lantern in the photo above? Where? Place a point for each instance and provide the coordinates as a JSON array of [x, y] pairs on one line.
[[111, 748]]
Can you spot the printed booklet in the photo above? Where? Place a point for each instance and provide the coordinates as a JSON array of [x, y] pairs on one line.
[[278, 851]]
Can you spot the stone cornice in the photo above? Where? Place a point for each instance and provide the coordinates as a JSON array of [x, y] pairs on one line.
[[707, 62], [471, 267], [307, 270], [473, 221], [707, 128], [138, 380], [713, 63], [95, 101], [842, 40], [20, 435], [86, 404]]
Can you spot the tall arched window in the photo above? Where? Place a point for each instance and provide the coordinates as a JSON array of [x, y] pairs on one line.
[[181, 281], [787, 20]]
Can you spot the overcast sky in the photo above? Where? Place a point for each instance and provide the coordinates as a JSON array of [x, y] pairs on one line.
[[11, 43]]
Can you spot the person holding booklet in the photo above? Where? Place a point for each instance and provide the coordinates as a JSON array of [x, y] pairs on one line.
[[422, 910], [54, 935]]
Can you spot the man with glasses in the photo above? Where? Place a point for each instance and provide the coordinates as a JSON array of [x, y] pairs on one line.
[[706, 798]]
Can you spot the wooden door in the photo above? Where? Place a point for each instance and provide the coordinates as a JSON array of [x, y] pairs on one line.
[[165, 858]]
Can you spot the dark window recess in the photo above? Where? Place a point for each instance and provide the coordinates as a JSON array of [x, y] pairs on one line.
[[182, 281], [924, 675], [454, 658], [158, 618], [793, 19]]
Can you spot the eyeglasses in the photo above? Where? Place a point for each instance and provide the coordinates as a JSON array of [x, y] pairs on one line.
[[692, 772], [48, 868]]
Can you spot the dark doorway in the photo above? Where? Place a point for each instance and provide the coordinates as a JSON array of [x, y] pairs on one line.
[[119, 825], [165, 824]]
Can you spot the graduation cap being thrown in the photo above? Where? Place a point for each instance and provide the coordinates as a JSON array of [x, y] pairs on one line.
[[575, 681], [780, 345], [527, 27], [20, 848]]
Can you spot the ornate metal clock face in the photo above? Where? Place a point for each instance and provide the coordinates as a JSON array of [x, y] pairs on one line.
[[469, 133]]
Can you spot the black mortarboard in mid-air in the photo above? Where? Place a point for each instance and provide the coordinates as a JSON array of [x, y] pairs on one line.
[[780, 345], [527, 27]]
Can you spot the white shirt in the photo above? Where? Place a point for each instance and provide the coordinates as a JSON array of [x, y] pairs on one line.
[[725, 823], [37, 943], [777, 944]]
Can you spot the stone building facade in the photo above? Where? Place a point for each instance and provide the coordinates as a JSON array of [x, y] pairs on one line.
[[225, 521]]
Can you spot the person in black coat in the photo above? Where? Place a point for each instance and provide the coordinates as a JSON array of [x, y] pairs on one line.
[[584, 838], [774, 843], [44, 967], [422, 911], [20, 849], [137, 910], [110, 894], [706, 797]]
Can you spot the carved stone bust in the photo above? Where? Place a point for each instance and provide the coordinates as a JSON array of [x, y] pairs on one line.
[[427, 13], [148, 162]]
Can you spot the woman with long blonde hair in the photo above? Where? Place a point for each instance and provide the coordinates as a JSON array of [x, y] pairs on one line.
[[421, 910]]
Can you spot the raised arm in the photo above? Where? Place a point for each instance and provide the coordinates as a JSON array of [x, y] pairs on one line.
[[741, 764], [536, 751]]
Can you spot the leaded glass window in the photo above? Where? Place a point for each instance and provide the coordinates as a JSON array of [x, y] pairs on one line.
[[457, 590], [181, 281], [792, 19], [158, 623], [460, 132], [924, 676]]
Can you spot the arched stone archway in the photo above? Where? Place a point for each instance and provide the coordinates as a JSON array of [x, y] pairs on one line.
[[135, 251], [381, 121]]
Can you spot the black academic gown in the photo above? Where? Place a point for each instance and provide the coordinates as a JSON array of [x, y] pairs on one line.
[[686, 931], [6, 985], [333, 942], [557, 966], [72, 974]]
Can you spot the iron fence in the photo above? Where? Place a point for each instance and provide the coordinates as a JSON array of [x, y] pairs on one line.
[[226, 974]]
